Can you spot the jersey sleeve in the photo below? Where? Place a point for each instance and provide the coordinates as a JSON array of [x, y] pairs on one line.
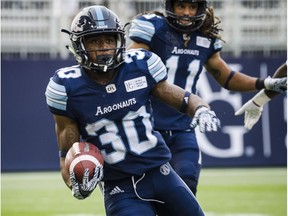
[[217, 45], [56, 96], [146, 62], [156, 68], [142, 29]]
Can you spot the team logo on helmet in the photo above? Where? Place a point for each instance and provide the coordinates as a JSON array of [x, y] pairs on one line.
[[92, 21]]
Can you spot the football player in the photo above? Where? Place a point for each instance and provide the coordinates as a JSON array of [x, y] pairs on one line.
[[186, 37], [105, 100], [254, 107]]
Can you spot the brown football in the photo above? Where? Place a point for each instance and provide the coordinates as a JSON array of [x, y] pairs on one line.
[[83, 155]]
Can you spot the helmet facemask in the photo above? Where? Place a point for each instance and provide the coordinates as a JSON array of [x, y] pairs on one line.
[[193, 22], [97, 20], [104, 61]]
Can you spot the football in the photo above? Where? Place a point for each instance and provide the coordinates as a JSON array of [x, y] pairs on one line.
[[83, 155]]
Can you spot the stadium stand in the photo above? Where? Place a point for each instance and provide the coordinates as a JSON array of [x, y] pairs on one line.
[[31, 28]]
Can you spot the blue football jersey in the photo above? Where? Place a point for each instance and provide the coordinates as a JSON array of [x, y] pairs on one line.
[[115, 117], [184, 63]]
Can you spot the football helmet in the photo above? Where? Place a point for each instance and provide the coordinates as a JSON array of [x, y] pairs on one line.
[[96, 20], [195, 22]]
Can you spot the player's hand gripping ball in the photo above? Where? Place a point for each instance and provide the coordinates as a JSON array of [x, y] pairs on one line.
[[82, 156]]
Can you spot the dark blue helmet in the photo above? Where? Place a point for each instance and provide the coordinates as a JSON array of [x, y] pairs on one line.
[[97, 20], [195, 22]]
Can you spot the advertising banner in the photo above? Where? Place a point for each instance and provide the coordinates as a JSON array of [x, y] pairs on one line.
[[28, 140], [263, 145]]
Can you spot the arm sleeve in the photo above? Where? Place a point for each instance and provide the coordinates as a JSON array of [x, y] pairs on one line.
[[156, 68], [217, 46], [56, 97], [142, 30]]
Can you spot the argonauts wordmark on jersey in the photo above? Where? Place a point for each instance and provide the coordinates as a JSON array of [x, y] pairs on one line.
[[117, 106], [178, 51]]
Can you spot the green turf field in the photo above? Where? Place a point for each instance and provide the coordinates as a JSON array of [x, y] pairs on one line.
[[222, 192]]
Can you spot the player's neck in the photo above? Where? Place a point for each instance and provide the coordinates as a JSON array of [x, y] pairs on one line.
[[101, 78]]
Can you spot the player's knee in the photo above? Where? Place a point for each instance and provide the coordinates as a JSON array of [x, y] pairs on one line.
[[186, 203], [189, 172], [192, 184]]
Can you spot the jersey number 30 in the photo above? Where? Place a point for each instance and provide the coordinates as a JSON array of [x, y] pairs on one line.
[[112, 137]]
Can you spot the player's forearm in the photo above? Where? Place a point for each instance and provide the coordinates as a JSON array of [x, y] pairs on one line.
[[67, 133], [241, 82], [65, 175], [177, 98], [136, 45], [194, 103]]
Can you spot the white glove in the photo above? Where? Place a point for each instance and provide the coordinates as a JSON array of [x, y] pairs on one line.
[[252, 113], [276, 84], [206, 119], [84, 189], [253, 109]]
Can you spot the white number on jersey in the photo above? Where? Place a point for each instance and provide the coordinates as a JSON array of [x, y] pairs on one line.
[[69, 72], [139, 55], [193, 68], [113, 138]]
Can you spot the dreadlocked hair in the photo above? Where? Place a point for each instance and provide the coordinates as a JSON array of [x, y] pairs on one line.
[[210, 26]]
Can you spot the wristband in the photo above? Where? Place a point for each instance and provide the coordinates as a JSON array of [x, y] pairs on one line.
[[199, 107], [185, 102], [62, 153], [259, 84], [261, 98], [226, 84]]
